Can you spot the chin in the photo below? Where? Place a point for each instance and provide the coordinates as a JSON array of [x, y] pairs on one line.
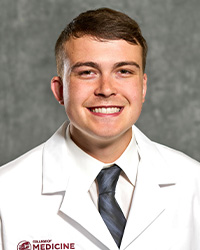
[[110, 134]]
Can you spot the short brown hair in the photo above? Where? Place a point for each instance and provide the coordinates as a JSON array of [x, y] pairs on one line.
[[103, 24]]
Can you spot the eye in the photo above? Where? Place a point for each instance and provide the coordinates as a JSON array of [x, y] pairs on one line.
[[85, 72], [125, 72]]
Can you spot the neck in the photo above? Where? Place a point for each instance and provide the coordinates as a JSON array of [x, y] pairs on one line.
[[104, 150]]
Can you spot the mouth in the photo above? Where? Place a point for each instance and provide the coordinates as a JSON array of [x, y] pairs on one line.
[[106, 110]]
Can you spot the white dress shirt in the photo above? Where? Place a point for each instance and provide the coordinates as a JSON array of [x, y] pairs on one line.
[[128, 162]]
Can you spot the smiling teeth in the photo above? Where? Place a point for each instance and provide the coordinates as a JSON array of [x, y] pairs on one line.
[[105, 110]]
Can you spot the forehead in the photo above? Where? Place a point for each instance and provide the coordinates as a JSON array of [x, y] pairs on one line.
[[88, 48]]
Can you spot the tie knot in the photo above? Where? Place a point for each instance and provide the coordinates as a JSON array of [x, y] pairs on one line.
[[107, 179]]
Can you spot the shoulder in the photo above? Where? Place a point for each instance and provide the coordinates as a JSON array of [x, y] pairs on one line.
[[185, 169], [174, 156], [33, 158], [33, 154], [26, 172], [176, 162], [21, 169]]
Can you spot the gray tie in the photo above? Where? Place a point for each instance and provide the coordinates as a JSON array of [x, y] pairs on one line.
[[108, 206]]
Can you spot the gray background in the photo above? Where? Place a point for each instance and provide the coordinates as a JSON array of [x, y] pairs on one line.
[[28, 30]]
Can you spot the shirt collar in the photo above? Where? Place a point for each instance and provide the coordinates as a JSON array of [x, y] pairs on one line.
[[87, 167], [129, 160]]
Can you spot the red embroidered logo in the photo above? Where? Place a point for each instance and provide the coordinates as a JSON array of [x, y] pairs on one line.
[[43, 245], [24, 245]]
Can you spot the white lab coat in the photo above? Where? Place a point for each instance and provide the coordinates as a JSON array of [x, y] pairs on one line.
[[42, 202]]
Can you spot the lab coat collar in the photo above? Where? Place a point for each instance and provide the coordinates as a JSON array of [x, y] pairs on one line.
[[55, 167], [154, 160]]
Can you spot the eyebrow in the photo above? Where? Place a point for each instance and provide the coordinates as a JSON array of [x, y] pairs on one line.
[[126, 63], [96, 65], [89, 64]]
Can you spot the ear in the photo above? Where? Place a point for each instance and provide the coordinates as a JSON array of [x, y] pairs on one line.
[[57, 89], [144, 91]]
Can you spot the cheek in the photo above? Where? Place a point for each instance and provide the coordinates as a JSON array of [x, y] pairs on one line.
[[71, 92], [134, 94], [75, 94], [80, 91]]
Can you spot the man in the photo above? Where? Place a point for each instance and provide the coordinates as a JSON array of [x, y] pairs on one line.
[[98, 182]]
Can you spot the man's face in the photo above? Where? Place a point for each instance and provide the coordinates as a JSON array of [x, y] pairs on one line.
[[103, 87]]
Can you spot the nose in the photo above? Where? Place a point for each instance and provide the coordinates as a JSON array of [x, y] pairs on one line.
[[106, 87]]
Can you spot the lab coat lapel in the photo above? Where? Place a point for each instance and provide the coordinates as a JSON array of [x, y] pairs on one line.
[[149, 199], [59, 176], [147, 206], [79, 207]]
